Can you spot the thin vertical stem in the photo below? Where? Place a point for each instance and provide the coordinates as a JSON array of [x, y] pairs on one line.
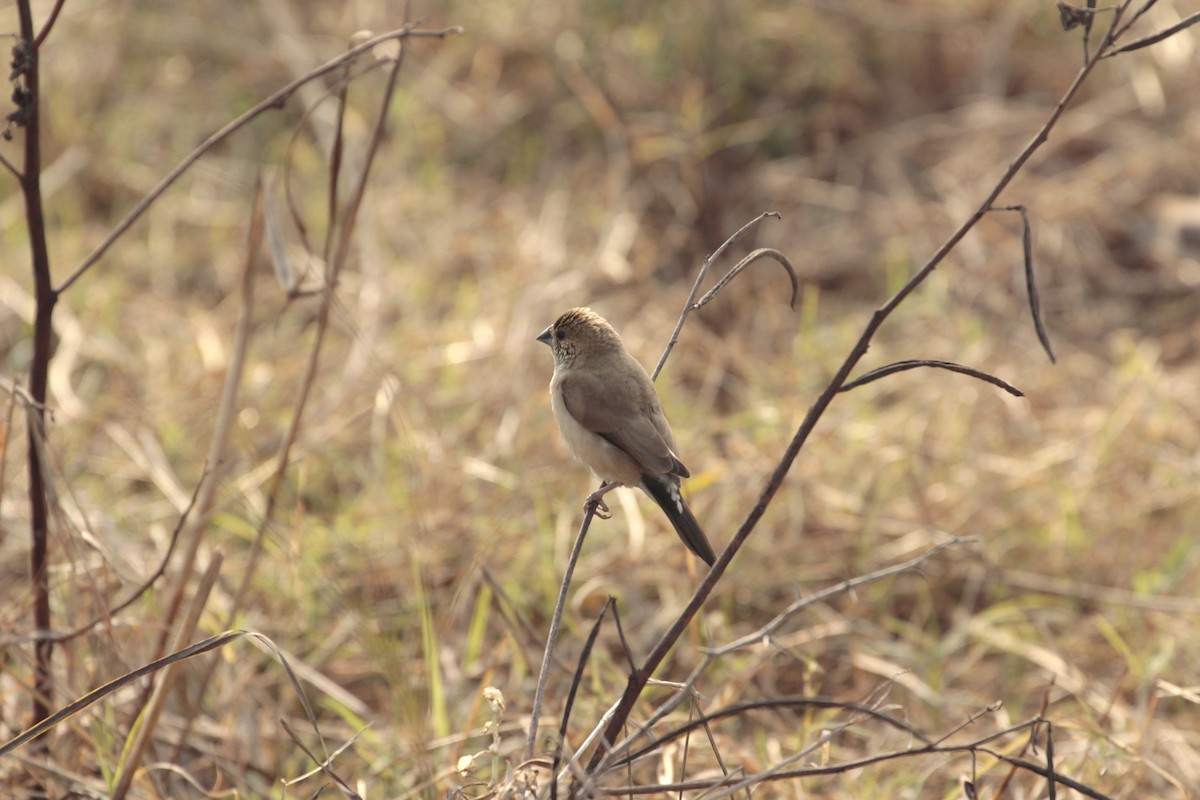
[[25, 69]]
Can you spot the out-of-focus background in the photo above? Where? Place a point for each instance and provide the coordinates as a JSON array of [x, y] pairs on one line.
[[562, 153]]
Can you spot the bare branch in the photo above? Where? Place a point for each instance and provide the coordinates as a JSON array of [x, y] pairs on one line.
[[1035, 303], [902, 366], [689, 304], [766, 631], [1155, 38], [576, 679], [762, 252], [552, 637], [1146, 6], [49, 24]]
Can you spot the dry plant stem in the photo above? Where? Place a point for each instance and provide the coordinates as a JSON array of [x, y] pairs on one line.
[[768, 630], [335, 162], [638, 680], [757, 255], [324, 765], [275, 101], [552, 637], [143, 727], [732, 783], [584, 656], [903, 366], [26, 76], [8, 419], [1157, 37], [691, 299]]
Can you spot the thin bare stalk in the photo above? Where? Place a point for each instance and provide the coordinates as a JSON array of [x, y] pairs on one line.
[[689, 304], [552, 636], [26, 95]]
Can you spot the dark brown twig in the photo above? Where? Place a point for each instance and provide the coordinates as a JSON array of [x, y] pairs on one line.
[[26, 93], [761, 253], [576, 679], [901, 366], [1031, 290], [1155, 38], [690, 303], [928, 747], [50, 20], [1146, 6], [552, 637]]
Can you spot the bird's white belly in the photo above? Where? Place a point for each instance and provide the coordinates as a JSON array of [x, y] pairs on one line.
[[609, 462]]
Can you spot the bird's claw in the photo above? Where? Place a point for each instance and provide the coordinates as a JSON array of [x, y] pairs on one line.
[[596, 504]]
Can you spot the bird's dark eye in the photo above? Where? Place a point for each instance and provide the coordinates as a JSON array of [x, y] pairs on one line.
[[560, 335]]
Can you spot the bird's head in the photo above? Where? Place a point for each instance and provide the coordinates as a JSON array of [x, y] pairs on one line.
[[579, 333]]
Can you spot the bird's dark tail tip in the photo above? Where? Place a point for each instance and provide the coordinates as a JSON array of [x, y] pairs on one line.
[[666, 493]]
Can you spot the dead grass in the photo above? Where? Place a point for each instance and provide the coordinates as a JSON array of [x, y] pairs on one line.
[[562, 154]]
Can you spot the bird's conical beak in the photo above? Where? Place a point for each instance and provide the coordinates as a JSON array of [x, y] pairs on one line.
[[544, 336]]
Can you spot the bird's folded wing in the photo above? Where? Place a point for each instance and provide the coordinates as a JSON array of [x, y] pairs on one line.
[[621, 418]]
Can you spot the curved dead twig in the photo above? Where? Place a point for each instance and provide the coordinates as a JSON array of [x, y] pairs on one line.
[[688, 687], [336, 91], [902, 366], [1031, 290], [760, 253], [773, 704], [689, 304], [733, 783], [766, 631], [49, 23]]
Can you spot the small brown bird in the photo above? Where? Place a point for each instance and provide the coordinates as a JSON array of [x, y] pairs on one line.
[[612, 420]]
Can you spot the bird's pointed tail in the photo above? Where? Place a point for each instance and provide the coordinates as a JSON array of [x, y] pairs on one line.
[[665, 492]]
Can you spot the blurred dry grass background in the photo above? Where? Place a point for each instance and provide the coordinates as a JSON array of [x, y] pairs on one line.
[[568, 153]]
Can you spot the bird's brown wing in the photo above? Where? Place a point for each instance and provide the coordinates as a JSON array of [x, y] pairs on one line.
[[627, 419]]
